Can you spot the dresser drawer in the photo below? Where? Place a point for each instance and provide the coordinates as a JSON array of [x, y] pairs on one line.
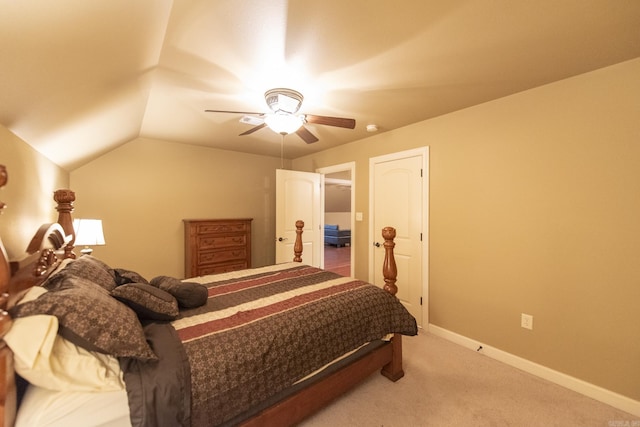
[[224, 268], [212, 257], [221, 228], [206, 242]]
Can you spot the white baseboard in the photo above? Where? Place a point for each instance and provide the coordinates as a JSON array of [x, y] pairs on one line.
[[595, 392]]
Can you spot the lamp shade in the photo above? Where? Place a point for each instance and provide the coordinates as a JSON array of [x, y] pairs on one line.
[[88, 232], [283, 123]]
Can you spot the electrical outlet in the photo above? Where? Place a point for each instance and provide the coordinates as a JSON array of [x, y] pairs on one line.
[[526, 321]]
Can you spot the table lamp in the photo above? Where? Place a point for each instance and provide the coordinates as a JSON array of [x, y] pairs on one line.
[[88, 233]]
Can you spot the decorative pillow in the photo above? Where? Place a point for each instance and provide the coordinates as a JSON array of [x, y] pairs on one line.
[[59, 268], [45, 359], [91, 319], [188, 294], [124, 276], [68, 281], [86, 267], [147, 301]]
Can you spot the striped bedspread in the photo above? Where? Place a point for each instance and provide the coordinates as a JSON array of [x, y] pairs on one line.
[[264, 329]]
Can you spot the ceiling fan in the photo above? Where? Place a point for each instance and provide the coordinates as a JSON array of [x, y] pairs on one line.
[[283, 118]]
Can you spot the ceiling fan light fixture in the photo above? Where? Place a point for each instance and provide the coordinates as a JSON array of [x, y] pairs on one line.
[[283, 119], [282, 99], [284, 123]]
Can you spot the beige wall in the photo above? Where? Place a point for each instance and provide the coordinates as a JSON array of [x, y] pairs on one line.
[[534, 208], [337, 198], [28, 193], [143, 190]]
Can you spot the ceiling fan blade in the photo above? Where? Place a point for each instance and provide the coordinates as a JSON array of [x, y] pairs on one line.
[[253, 129], [307, 136], [232, 112], [251, 120], [331, 121]]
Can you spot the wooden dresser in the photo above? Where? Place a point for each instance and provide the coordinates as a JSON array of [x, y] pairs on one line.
[[216, 245]]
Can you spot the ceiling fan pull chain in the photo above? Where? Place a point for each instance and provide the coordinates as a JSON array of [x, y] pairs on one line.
[[281, 151]]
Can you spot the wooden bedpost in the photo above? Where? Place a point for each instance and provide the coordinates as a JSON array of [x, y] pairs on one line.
[[7, 379], [393, 370], [389, 269], [4, 272], [297, 246], [65, 199]]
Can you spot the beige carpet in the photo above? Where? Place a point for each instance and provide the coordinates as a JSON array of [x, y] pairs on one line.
[[448, 385]]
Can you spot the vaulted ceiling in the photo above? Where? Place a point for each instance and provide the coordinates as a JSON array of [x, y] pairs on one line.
[[79, 78]]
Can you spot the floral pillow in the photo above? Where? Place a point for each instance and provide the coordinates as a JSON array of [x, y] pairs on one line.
[[124, 276], [90, 318], [147, 301], [86, 267], [188, 294], [45, 359]]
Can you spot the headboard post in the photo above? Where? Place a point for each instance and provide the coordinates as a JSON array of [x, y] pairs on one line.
[[389, 269], [7, 380], [65, 199], [3, 181], [4, 268]]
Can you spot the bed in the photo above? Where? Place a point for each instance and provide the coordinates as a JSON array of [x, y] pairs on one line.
[[336, 237], [258, 347]]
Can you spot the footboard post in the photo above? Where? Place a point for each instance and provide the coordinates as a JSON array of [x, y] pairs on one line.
[[389, 269], [393, 370], [297, 246]]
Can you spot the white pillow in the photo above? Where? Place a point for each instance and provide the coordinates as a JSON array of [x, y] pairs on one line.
[[45, 359]]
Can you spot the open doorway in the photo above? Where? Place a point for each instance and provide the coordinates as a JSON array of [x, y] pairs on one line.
[[338, 218]]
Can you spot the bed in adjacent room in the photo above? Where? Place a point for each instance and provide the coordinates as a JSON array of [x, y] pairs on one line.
[[261, 346]]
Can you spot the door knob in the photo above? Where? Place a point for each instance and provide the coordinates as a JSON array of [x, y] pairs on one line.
[[377, 244], [281, 239]]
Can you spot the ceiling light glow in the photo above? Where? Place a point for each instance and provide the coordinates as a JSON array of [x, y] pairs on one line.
[[284, 123]]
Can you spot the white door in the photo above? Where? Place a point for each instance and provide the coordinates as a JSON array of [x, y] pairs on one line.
[[298, 196], [399, 200]]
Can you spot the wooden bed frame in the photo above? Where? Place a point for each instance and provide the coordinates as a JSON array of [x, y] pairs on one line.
[[54, 242]]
